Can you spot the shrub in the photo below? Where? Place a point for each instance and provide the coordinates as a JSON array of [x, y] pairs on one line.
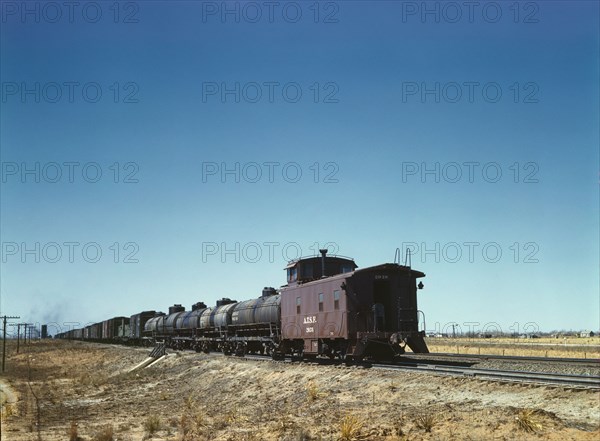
[[152, 424], [425, 421], [528, 421], [312, 391], [350, 427], [105, 434]]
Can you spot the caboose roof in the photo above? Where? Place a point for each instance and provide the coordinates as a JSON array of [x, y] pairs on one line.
[[382, 267], [388, 266], [329, 258]]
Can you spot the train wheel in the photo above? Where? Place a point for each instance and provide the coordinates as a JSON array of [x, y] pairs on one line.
[[240, 350]]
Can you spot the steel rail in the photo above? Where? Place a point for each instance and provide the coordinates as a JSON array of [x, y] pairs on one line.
[[541, 378], [592, 362]]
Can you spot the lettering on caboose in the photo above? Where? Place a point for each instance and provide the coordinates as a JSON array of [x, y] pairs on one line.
[[310, 319]]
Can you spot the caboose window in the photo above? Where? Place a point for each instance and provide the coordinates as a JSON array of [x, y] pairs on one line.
[[336, 299], [320, 302], [297, 305], [292, 273]]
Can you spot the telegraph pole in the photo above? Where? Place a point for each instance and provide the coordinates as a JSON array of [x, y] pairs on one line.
[[5, 318], [18, 335], [27, 328], [18, 325]]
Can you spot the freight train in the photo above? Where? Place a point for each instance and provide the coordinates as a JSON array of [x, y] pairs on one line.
[[328, 308]]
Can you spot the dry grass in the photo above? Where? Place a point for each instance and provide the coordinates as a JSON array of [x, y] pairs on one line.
[[8, 410], [105, 434], [300, 435], [350, 427], [528, 421], [285, 422], [92, 379], [312, 390], [425, 421], [152, 424], [189, 402], [193, 427]]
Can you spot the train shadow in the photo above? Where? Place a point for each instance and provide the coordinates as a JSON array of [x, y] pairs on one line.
[[367, 364], [437, 362], [413, 363]]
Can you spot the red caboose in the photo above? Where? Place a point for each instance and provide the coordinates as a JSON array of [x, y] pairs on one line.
[[331, 308]]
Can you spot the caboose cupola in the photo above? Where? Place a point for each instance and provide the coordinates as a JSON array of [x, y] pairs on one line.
[[306, 269]]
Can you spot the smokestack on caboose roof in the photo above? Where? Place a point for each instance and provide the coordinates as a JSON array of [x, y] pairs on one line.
[[323, 253]]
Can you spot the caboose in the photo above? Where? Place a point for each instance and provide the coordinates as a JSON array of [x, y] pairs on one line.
[[329, 307]]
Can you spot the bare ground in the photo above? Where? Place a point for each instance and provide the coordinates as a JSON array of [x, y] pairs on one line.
[[74, 390]]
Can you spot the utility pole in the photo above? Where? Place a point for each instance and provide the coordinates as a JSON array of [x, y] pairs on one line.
[[5, 318], [27, 328], [18, 325]]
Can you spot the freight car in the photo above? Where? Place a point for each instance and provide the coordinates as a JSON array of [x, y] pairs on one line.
[[328, 307]]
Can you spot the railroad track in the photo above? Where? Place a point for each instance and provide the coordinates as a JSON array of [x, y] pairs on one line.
[[586, 362], [513, 376], [538, 378]]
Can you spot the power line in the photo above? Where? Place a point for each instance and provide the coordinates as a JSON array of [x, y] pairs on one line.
[[5, 318]]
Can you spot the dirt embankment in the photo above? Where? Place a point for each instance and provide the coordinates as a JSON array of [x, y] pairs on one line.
[[84, 392]]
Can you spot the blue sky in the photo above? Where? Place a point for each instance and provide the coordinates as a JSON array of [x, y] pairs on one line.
[[164, 118]]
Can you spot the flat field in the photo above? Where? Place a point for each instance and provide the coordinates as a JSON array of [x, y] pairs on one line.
[[59, 390], [571, 347]]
